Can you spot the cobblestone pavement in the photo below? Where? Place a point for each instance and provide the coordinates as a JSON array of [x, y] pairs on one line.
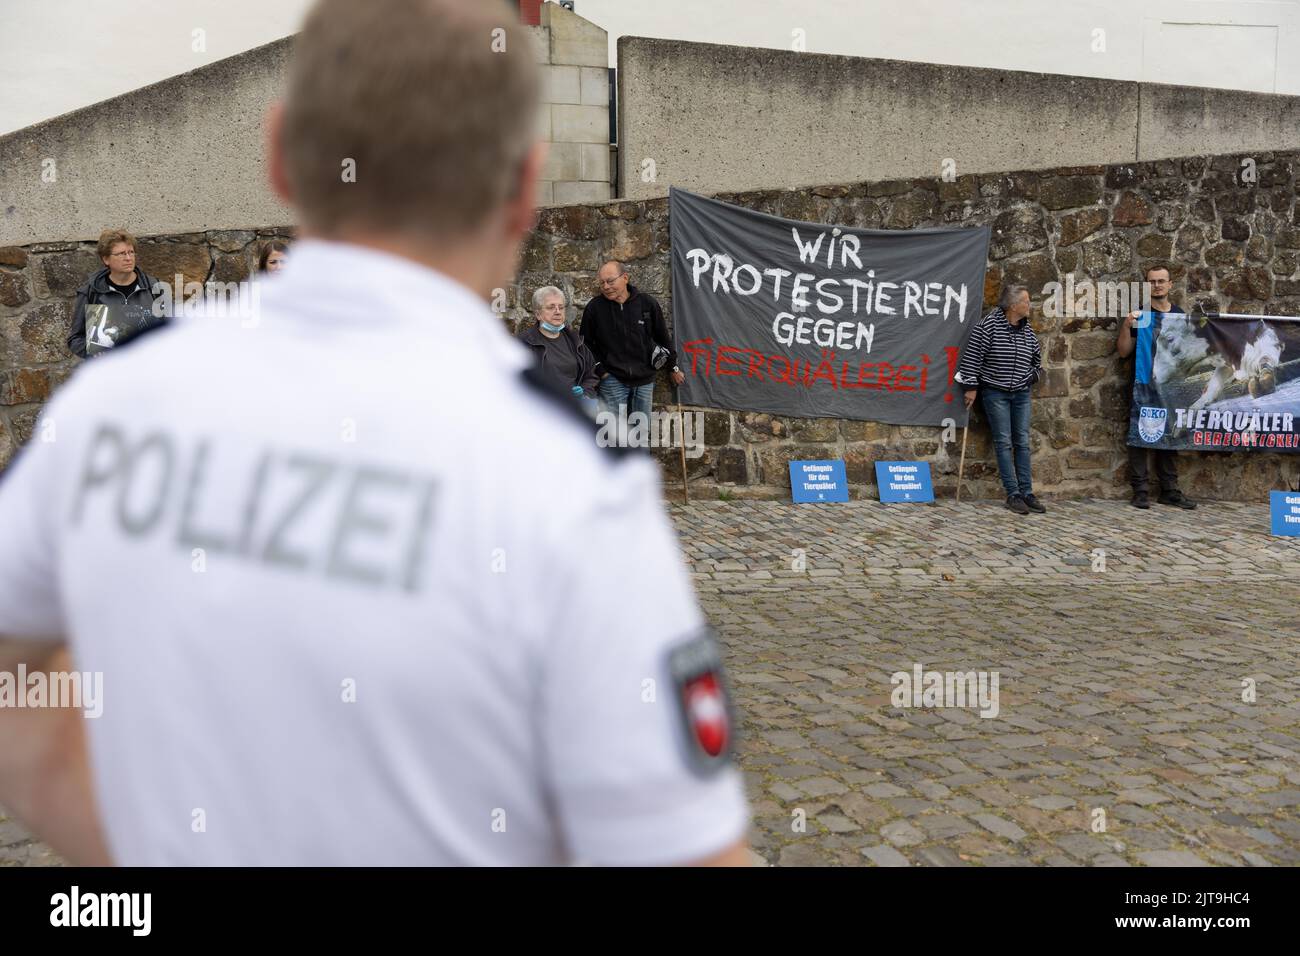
[[1121, 639]]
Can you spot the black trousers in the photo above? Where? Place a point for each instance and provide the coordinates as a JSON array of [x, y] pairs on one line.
[[1166, 468]]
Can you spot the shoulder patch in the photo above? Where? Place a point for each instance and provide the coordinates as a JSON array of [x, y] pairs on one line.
[[538, 382], [702, 704]]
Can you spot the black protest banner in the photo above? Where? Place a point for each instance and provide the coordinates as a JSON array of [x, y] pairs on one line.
[[809, 320]]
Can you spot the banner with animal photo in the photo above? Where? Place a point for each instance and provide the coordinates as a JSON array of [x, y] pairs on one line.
[[1216, 382], [817, 320], [111, 324]]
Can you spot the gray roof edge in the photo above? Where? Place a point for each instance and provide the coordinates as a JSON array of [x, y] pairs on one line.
[[266, 50]]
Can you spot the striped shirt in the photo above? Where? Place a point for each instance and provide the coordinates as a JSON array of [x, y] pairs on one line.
[[1000, 354]]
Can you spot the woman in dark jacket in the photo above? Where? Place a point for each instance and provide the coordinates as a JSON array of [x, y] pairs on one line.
[[560, 351], [117, 299]]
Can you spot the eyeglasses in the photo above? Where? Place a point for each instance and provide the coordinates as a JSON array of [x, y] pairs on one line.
[[613, 280], [122, 255]]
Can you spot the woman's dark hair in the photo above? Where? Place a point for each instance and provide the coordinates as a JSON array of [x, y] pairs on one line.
[[275, 245]]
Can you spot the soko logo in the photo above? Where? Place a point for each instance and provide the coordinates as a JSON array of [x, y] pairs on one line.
[[1151, 423]]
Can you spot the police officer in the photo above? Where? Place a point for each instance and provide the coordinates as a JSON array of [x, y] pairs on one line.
[[325, 616]]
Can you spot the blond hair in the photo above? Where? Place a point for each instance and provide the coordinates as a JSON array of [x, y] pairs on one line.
[[111, 237], [434, 102]]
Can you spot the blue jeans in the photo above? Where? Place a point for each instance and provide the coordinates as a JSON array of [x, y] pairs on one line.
[[614, 393], [1008, 415]]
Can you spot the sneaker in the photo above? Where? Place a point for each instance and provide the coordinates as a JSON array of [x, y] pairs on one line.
[[1176, 499], [1034, 505], [1017, 504], [1140, 500]]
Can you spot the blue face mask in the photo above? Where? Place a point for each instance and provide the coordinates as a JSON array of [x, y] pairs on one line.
[[553, 328]]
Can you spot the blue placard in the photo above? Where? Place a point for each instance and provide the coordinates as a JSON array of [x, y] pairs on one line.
[[1286, 512], [818, 481], [904, 481]]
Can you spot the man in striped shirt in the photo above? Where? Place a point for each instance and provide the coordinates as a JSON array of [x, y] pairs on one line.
[[1002, 361]]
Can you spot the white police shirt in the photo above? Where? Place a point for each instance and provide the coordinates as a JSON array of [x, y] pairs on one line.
[[360, 596]]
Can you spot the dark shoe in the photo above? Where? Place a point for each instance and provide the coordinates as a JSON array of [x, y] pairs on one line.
[[1033, 504], [1140, 500], [1017, 504], [1176, 499]]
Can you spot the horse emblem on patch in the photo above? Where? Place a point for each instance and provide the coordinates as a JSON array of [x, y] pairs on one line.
[[1151, 423]]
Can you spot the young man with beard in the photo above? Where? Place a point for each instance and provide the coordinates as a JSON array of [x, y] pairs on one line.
[[1138, 333]]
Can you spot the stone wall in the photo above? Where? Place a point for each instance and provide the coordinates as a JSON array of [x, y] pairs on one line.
[[712, 117], [38, 285], [1233, 246], [574, 58], [184, 154], [575, 119], [188, 153]]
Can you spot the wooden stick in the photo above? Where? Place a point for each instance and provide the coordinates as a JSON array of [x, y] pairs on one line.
[[681, 433], [961, 466]]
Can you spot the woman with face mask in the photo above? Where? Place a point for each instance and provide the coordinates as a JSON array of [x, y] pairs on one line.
[[560, 351]]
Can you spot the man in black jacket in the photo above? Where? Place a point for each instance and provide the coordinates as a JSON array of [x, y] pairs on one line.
[[625, 329], [118, 298]]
